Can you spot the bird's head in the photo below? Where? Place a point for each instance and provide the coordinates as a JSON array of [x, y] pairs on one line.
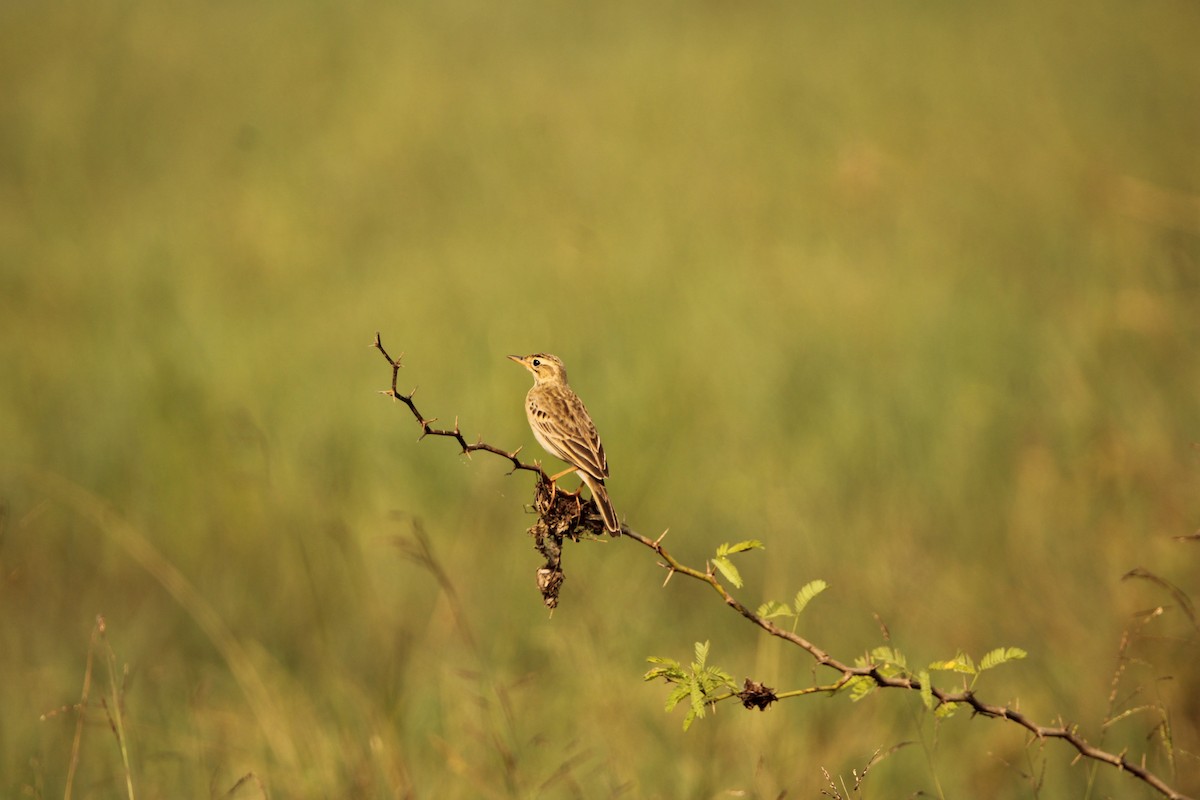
[[545, 367]]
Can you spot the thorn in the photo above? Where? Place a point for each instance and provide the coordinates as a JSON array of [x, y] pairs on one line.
[[663, 536], [670, 573], [389, 393]]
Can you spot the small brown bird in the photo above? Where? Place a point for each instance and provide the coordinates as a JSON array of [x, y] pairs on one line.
[[561, 424]]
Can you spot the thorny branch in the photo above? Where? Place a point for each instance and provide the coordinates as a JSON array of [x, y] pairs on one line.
[[562, 515], [427, 428]]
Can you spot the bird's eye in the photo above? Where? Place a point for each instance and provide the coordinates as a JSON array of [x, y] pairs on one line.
[[537, 362]]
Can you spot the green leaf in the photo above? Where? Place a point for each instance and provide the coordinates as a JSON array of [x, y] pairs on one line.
[[728, 570], [860, 686], [696, 684], [960, 663], [886, 656], [668, 668], [946, 710], [677, 694], [807, 593], [666, 663], [697, 699], [772, 609], [701, 650], [740, 547], [926, 689], [721, 559], [716, 678], [689, 719], [670, 674], [1001, 655]]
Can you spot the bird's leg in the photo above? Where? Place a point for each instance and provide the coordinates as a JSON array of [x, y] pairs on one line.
[[554, 483], [565, 472], [577, 495]]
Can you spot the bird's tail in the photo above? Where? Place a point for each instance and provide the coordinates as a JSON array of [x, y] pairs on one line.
[[605, 506]]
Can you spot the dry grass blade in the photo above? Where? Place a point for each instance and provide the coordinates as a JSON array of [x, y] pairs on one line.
[[241, 665], [1181, 599]]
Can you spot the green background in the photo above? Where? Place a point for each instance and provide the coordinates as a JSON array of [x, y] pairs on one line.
[[910, 292]]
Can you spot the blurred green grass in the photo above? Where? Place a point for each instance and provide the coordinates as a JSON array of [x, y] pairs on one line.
[[909, 293]]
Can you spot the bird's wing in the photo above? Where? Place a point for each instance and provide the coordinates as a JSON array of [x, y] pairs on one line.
[[572, 437]]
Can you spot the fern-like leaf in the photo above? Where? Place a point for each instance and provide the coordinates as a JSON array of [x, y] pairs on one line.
[[668, 668], [727, 569], [677, 694], [701, 650], [1001, 655], [739, 547], [772, 609], [946, 710], [889, 657], [697, 698], [807, 593], [697, 684], [859, 687], [926, 689], [960, 663]]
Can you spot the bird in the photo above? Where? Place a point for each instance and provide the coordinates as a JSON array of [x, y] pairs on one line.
[[562, 425]]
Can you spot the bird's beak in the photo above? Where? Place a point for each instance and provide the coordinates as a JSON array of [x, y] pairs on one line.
[[517, 359]]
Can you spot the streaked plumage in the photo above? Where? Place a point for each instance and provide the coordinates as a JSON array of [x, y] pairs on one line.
[[561, 424]]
